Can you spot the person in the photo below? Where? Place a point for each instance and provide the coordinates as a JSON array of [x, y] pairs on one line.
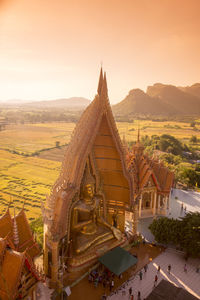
[[140, 274], [155, 281], [132, 297], [130, 291], [158, 269], [145, 268], [185, 268], [103, 297], [112, 284], [197, 269], [139, 295], [169, 268], [185, 209]]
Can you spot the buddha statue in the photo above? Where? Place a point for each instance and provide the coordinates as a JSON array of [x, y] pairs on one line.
[[88, 227]]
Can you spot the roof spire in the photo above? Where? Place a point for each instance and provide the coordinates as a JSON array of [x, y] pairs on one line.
[[100, 82], [104, 90], [138, 136], [15, 231]]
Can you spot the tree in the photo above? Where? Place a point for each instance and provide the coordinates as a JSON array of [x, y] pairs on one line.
[[57, 144], [184, 233], [165, 230], [37, 227], [190, 239], [193, 139]]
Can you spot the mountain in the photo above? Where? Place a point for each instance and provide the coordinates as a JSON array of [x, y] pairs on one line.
[[74, 103], [182, 102], [138, 102], [193, 89], [71, 103], [160, 99]]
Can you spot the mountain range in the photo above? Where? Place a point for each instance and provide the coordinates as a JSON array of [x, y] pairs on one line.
[[73, 103], [161, 99]]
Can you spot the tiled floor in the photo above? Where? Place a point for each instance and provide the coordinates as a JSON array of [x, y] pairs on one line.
[[190, 280], [190, 200]]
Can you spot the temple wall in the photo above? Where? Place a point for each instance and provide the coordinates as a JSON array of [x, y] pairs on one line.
[[115, 185]]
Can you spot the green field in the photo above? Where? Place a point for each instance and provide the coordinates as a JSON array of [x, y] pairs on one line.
[[29, 179]]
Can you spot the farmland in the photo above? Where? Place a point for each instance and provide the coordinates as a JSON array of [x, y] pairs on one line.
[[30, 161]]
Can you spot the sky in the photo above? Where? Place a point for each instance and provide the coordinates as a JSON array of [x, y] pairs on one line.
[[54, 49]]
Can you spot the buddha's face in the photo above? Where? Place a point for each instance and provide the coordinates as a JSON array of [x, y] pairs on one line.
[[88, 191]]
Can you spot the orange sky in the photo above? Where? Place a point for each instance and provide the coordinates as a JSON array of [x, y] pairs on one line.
[[53, 48]]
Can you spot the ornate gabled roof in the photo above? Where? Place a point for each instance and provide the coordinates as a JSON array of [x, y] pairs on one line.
[[6, 226], [26, 240], [11, 268], [18, 228], [142, 167], [97, 117]]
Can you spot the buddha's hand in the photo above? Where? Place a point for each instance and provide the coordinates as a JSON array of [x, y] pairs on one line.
[[117, 233]]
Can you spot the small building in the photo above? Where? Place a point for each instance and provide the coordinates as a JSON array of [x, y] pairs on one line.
[[18, 274], [152, 182]]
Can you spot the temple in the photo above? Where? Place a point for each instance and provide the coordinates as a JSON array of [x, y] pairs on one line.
[[153, 181], [101, 183], [94, 187], [18, 274]]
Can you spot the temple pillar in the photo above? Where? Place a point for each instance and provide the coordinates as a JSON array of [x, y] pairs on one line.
[[135, 219], [45, 255], [140, 206], [33, 294], [158, 201], [154, 203], [54, 267]]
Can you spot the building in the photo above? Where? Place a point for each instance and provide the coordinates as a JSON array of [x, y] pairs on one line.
[[99, 186], [95, 158], [152, 182], [18, 274]]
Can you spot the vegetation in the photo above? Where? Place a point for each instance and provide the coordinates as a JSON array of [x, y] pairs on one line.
[[184, 233], [37, 228]]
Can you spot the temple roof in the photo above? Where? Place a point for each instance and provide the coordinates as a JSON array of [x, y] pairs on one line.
[[80, 147], [141, 166], [25, 237], [11, 268]]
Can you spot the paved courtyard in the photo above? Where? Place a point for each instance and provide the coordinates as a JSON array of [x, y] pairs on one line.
[[190, 200], [189, 281]]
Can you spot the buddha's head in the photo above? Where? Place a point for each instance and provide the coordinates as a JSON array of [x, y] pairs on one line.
[[88, 190], [88, 184]]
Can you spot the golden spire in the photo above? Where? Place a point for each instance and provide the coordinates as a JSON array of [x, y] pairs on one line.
[[100, 82], [138, 136], [15, 231], [104, 90]]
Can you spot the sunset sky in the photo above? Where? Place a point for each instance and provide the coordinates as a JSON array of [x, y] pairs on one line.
[[53, 48]]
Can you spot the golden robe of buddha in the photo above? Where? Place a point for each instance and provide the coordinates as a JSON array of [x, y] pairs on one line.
[[88, 227]]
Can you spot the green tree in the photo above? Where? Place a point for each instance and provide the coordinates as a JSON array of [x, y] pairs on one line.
[[37, 227], [190, 238], [184, 233], [193, 139]]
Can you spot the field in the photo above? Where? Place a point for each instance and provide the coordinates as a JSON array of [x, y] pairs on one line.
[[27, 179]]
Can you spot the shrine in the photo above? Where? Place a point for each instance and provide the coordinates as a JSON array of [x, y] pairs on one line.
[[18, 273], [152, 181]]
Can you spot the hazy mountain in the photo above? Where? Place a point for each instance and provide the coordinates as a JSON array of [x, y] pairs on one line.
[[160, 99], [137, 102], [74, 103], [193, 89], [182, 102]]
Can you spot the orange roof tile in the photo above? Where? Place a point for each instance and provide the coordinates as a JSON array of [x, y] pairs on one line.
[[10, 274], [6, 225]]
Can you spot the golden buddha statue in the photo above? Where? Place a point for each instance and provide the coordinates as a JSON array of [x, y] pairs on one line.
[[88, 227]]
